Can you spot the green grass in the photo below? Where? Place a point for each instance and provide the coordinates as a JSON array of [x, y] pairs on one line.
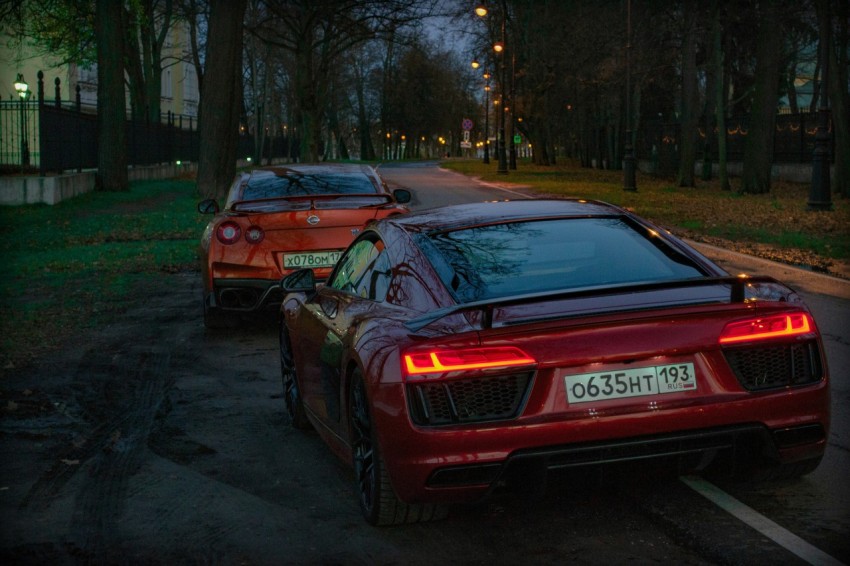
[[779, 218], [73, 265]]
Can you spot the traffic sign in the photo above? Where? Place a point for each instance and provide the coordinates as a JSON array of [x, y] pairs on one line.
[[517, 138], [467, 124]]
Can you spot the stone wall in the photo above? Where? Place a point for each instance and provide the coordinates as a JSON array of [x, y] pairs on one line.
[[20, 190]]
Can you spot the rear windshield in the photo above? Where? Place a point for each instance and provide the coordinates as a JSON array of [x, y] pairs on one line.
[[528, 257], [271, 185]]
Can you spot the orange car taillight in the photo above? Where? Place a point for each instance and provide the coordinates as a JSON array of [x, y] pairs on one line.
[[778, 326], [439, 361], [228, 232], [254, 235]]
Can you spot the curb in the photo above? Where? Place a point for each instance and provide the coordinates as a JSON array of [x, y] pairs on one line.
[[797, 277]]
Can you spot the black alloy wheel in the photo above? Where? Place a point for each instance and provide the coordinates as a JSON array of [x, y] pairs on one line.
[[378, 502], [291, 396]]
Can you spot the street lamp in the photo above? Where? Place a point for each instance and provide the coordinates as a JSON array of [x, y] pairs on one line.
[[512, 133], [820, 197], [499, 48], [22, 89], [487, 118]]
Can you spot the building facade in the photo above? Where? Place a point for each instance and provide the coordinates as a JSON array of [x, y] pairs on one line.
[[179, 93]]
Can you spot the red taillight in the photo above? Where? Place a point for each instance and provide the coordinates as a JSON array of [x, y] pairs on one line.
[[228, 232], [439, 361], [254, 235], [778, 326]]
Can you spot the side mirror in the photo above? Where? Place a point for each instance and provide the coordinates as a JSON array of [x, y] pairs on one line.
[[301, 281], [208, 206], [402, 196]]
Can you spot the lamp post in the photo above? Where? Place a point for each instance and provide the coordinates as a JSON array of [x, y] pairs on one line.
[[22, 89], [512, 134], [499, 47], [820, 197], [487, 118]]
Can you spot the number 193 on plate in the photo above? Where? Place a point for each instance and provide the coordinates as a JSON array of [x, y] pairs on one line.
[[631, 382]]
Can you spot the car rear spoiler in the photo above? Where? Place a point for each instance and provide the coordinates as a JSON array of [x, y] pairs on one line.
[[234, 206], [737, 294]]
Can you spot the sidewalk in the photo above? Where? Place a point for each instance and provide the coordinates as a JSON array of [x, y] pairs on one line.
[[796, 277]]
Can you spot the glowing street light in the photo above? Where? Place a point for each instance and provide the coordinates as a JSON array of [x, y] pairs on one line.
[[22, 88], [499, 47]]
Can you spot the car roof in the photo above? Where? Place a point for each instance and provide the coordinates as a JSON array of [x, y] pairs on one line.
[[455, 217]]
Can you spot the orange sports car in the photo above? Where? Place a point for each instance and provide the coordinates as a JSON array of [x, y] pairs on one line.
[[279, 219]]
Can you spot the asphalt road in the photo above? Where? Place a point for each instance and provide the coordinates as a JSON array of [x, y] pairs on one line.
[[154, 441], [817, 507]]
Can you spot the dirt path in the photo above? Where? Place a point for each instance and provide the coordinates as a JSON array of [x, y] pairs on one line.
[[153, 441]]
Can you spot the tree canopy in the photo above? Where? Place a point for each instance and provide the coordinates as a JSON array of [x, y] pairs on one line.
[[362, 79]]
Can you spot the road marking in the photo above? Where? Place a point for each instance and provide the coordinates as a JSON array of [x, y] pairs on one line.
[[762, 524], [492, 186]]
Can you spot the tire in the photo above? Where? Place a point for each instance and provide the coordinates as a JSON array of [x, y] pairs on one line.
[[291, 395], [378, 502]]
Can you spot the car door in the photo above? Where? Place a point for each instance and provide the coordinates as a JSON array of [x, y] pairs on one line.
[[358, 282]]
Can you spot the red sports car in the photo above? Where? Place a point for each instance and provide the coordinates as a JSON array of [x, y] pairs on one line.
[[280, 219], [457, 350]]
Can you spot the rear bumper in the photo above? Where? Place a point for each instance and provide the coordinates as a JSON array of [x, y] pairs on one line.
[[739, 445], [245, 295], [454, 464]]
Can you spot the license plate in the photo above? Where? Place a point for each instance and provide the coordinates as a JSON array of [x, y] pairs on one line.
[[632, 382], [311, 259]]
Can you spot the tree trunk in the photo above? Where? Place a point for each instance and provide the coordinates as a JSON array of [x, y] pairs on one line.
[[367, 150], [839, 102], [111, 112], [720, 98], [133, 66], [758, 149], [193, 12], [305, 94], [706, 138], [334, 129], [152, 42], [689, 115], [221, 99]]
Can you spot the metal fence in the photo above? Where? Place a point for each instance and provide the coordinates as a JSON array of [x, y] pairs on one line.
[[56, 137], [793, 141], [43, 137], [18, 126]]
